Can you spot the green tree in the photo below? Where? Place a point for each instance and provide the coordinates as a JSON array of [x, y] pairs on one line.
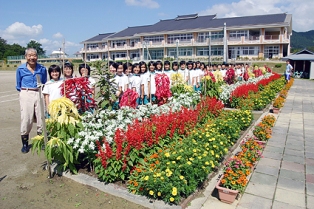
[[36, 45], [3, 45], [14, 50]]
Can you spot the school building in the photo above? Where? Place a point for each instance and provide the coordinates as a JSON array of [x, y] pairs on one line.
[[193, 37]]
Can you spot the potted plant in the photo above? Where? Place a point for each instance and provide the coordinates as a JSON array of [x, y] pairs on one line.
[[233, 181], [262, 132], [278, 103]]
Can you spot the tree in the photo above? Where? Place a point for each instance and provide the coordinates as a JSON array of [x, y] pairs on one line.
[[3, 45], [14, 50], [36, 45]]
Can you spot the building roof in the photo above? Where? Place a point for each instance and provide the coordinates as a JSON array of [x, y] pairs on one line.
[[130, 31], [210, 21], [99, 37], [195, 22], [304, 54], [304, 51], [306, 57]]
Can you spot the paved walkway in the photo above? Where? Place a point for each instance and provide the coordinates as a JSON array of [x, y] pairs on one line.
[[284, 178]]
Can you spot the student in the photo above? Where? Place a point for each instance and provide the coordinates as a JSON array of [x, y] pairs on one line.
[[167, 70], [175, 68], [144, 83], [68, 70], [151, 82], [239, 73], [198, 75], [84, 71], [158, 66], [52, 89], [136, 81], [113, 70], [127, 75], [223, 70], [191, 74], [183, 71]]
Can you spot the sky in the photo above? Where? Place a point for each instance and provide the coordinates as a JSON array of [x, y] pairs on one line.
[[72, 21]]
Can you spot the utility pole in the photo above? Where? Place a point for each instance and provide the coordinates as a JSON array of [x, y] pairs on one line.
[[225, 44]]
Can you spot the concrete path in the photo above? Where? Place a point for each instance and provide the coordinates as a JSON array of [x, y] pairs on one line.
[[284, 178]]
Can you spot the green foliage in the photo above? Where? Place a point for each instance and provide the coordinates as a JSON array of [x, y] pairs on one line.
[[278, 65], [210, 88], [10, 50], [301, 40], [107, 87], [36, 45]]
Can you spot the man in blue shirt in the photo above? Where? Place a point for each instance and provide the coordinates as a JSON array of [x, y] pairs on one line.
[[26, 84]]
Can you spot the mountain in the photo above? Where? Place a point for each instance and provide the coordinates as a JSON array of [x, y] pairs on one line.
[[301, 40]]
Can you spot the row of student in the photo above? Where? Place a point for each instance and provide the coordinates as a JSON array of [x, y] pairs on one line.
[[51, 90], [141, 76]]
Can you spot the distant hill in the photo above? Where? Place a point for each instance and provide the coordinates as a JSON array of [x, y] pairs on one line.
[[301, 40]]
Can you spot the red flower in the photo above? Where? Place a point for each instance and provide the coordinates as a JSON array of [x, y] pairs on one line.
[[129, 98], [78, 90], [162, 88]]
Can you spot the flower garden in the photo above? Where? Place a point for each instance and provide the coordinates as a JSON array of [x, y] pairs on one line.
[[167, 151]]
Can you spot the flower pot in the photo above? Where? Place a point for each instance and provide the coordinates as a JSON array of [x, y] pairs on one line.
[[275, 110], [226, 195]]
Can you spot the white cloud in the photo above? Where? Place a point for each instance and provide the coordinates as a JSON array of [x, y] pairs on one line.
[[300, 10], [58, 35], [19, 30], [52, 45], [143, 3]]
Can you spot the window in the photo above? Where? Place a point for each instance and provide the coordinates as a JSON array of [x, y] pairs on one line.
[[218, 36], [201, 37], [217, 51], [134, 41], [91, 46], [172, 52], [134, 54], [153, 38], [118, 43], [92, 56], [236, 34], [237, 51], [115, 55], [181, 37], [202, 51], [155, 54], [103, 45], [270, 51], [185, 51]]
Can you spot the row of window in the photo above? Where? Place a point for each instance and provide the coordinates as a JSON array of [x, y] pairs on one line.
[[233, 52], [201, 37]]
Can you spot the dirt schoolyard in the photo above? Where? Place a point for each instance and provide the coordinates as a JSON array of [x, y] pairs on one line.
[[23, 181]]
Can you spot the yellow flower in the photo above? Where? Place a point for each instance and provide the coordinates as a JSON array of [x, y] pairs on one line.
[[171, 199], [167, 154], [159, 194], [146, 178], [174, 191], [206, 163], [189, 163], [181, 177], [151, 192]]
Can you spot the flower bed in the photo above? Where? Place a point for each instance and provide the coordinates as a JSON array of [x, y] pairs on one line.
[[256, 96], [116, 161], [238, 168], [175, 171]]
